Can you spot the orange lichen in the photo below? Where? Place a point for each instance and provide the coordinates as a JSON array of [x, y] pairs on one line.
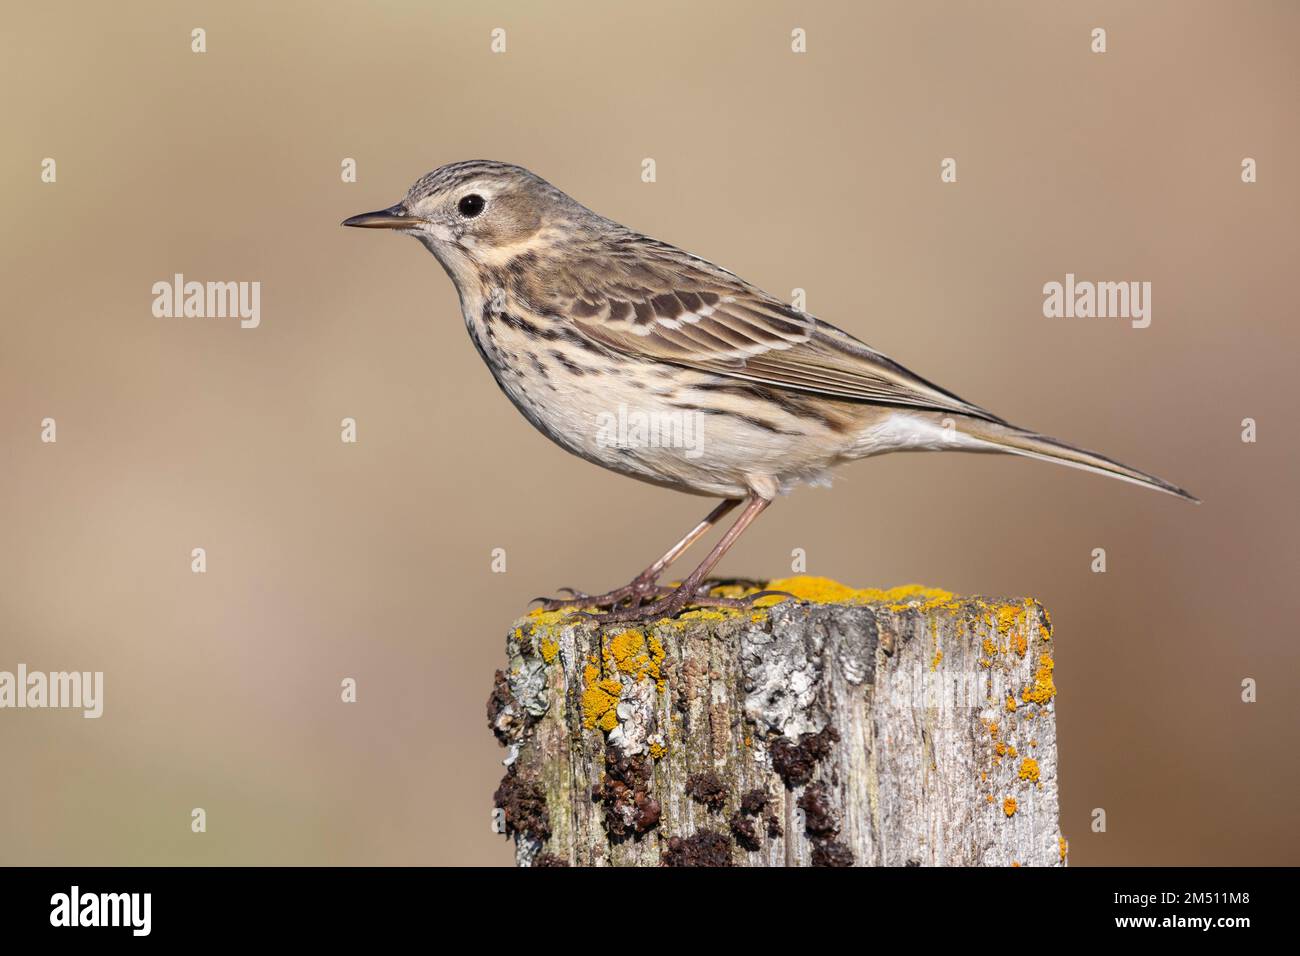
[[1011, 704], [1029, 770], [1008, 615], [990, 648], [1044, 688], [1063, 846], [1009, 806], [632, 653]]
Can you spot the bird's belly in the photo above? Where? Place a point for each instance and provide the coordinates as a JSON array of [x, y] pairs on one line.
[[625, 428], [648, 421]]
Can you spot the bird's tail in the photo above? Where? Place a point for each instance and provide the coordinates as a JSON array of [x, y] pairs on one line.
[[1017, 441]]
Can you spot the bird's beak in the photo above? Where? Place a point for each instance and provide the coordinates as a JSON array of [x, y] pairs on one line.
[[394, 217]]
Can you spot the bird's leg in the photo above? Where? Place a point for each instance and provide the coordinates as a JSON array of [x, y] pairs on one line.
[[645, 584], [685, 593]]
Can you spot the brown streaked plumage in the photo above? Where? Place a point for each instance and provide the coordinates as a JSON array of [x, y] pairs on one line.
[[578, 316]]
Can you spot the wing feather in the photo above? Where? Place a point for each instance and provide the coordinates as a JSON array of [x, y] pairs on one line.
[[649, 300]]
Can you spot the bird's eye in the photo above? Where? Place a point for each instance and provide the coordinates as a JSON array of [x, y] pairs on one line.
[[471, 205]]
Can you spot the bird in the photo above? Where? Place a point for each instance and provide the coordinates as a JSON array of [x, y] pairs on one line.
[[582, 320]]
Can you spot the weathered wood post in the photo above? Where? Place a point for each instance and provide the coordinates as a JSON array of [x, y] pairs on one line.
[[899, 728]]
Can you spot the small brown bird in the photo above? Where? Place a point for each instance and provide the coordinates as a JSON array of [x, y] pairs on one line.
[[656, 364]]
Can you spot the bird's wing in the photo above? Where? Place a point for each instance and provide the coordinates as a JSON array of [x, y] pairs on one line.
[[662, 304]]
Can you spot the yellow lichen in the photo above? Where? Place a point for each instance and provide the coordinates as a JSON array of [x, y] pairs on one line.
[[934, 664], [826, 591], [627, 651], [1029, 770], [1011, 704], [1063, 846], [658, 750], [1009, 806], [543, 621], [683, 621], [629, 656], [989, 647], [549, 649], [599, 703]]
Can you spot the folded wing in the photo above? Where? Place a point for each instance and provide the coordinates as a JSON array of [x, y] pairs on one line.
[[653, 301]]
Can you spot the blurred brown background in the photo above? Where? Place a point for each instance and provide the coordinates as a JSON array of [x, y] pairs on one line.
[[818, 171]]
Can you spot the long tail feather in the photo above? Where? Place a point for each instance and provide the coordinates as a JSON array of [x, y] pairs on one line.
[[1020, 442]]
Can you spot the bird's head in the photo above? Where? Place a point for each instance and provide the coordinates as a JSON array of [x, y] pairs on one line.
[[476, 213]]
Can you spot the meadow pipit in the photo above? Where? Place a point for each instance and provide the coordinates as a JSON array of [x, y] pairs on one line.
[[578, 316]]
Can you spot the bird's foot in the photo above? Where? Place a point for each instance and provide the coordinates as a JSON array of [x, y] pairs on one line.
[[641, 588], [669, 602]]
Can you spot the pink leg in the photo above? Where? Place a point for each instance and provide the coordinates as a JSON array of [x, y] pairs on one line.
[[645, 584], [681, 596]]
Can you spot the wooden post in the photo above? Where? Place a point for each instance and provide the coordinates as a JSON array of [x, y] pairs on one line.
[[897, 728]]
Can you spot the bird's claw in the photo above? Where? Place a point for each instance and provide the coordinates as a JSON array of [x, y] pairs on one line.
[[635, 592], [674, 601]]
